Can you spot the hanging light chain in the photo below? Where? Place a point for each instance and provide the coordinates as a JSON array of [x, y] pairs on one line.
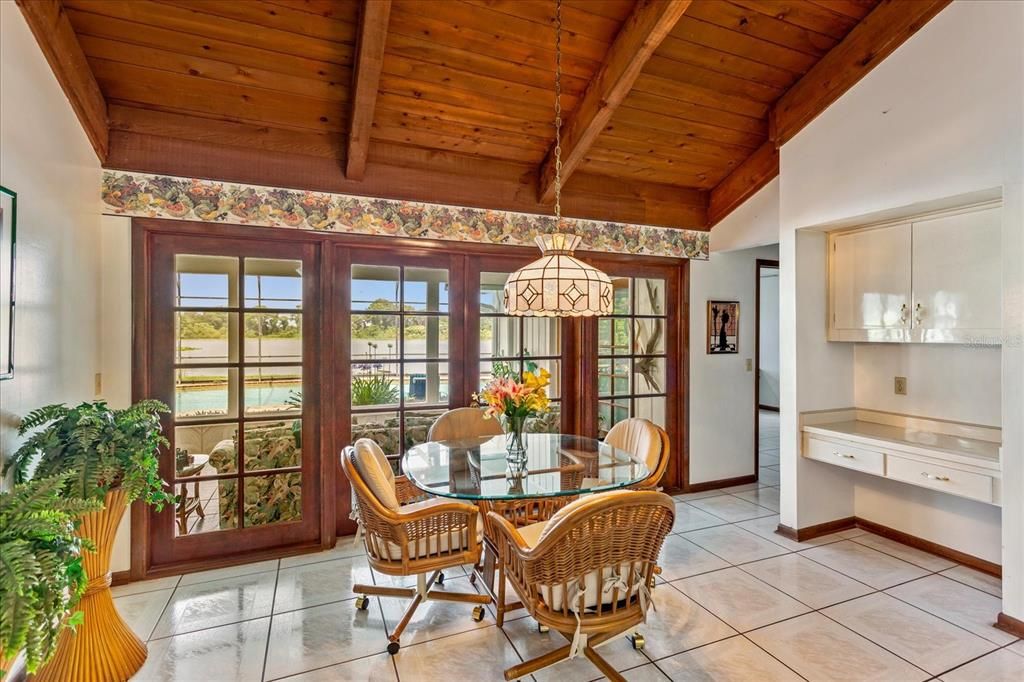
[[558, 115]]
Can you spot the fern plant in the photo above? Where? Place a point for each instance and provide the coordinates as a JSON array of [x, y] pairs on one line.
[[41, 573], [102, 448]]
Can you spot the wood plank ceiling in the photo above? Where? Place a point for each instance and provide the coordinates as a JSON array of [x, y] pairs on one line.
[[451, 100]]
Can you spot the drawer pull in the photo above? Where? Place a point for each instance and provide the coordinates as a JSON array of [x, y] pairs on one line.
[[843, 455], [933, 477]]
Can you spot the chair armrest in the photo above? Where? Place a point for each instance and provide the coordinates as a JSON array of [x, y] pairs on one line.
[[437, 516], [508, 537], [407, 492]]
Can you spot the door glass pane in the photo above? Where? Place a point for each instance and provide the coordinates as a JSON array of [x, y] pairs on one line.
[[621, 301], [375, 384], [648, 375], [213, 443], [425, 336], [650, 297], [613, 336], [554, 367], [499, 337], [273, 283], [375, 287], [205, 506], [499, 369], [205, 337], [652, 409], [425, 383], [426, 289], [383, 428], [273, 445], [542, 336], [649, 335], [270, 390], [272, 499], [417, 425], [492, 287], [375, 337], [206, 281], [613, 376], [273, 337], [549, 422], [610, 413], [206, 392]]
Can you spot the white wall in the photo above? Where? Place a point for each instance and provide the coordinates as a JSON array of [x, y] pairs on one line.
[[956, 383], [768, 381], [941, 116], [46, 158], [753, 223], [721, 387]]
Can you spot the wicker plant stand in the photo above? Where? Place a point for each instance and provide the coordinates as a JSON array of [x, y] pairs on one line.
[[104, 648]]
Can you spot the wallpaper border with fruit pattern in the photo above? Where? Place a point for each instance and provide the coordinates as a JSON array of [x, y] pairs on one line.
[[161, 196]]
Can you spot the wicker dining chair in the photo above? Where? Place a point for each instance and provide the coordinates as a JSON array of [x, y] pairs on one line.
[[462, 423], [402, 539], [588, 572], [642, 439]]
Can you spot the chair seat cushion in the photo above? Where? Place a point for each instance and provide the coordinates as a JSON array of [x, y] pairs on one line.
[[432, 544]]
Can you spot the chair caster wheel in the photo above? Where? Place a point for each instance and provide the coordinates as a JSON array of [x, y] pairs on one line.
[[363, 603], [393, 648], [440, 578], [638, 641], [478, 613], [542, 628]]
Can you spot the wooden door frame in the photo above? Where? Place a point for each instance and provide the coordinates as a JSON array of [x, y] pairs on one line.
[[332, 249], [760, 264]]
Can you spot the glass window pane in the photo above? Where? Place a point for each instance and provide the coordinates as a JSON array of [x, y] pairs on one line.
[[380, 427], [499, 337], [426, 289], [374, 287], [425, 336], [554, 388], [652, 409], [613, 376], [613, 336], [273, 445], [492, 292], [542, 336], [272, 499], [213, 443], [273, 283], [206, 281], [425, 383], [610, 413], [649, 335], [375, 337], [273, 337], [417, 424], [648, 375], [650, 297], [270, 390], [375, 384], [621, 303], [205, 506], [204, 336], [498, 368], [205, 392]]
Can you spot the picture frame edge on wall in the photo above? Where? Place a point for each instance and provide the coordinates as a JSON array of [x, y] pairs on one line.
[[709, 334], [8, 235]]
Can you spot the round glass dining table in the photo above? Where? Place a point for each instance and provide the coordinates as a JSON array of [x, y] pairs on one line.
[[558, 468], [556, 465]]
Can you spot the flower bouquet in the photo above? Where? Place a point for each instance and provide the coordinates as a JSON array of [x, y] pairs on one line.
[[515, 401]]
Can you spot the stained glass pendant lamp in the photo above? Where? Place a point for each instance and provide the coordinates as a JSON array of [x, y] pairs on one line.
[[558, 284]]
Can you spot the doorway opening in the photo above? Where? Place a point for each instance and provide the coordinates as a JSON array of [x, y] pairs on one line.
[[766, 382]]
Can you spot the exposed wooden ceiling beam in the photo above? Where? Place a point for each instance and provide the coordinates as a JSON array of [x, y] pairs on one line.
[[636, 41], [186, 146], [877, 36], [57, 39], [373, 31]]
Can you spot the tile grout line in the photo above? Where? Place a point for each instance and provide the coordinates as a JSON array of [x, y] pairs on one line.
[[270, 623]]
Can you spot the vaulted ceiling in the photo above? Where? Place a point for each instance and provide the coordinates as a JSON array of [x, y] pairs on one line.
[[674, 109]]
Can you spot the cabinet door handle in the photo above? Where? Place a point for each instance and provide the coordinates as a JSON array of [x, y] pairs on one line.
[[843, 455], [918, 313], [903, 313], [934, 477]]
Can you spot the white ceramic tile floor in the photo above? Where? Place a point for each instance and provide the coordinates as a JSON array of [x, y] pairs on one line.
[[810, 609]]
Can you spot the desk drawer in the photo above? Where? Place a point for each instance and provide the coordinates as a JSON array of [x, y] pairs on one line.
[[845, 455], [938, 477]]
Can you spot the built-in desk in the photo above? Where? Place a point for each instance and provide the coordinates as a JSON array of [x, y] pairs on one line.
[[959, 459]]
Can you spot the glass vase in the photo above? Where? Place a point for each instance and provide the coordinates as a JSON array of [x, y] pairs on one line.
[[515, 440]]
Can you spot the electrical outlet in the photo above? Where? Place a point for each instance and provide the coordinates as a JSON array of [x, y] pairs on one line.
[[900, 386], [98, 384], [750, 364]]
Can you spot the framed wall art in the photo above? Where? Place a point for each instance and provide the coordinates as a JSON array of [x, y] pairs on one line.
[[723, 335], [8, 220]]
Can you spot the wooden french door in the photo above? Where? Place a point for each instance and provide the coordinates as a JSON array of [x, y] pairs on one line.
[[232, 346]]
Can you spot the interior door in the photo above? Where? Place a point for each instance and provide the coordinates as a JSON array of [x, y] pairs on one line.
[[232, 349]]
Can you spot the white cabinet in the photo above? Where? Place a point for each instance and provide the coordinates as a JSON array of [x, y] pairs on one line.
[[957, 278], [871, 284], [932, 279]]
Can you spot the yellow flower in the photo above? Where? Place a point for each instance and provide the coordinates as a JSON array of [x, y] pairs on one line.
[[537, 381]]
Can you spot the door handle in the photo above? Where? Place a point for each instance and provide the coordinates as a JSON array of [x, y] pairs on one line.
[[934, 477]]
